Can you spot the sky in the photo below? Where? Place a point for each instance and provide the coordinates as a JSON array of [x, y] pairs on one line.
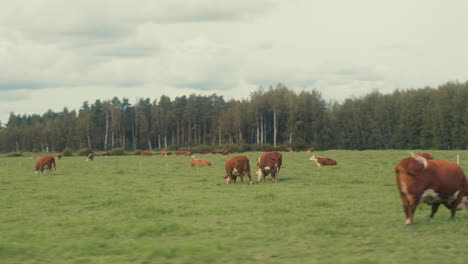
[[56, 53]]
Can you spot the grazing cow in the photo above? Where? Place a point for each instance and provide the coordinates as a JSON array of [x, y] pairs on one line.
[[105, 154], [147, 153], [269, 163], [323, 161], [310, 150], [433, 182], [183, 152], [425, 155], [59, 156], [288, 150], [90, 157], [165, 153], [45, 162], [224, 152], [199, 162], [237, 166]]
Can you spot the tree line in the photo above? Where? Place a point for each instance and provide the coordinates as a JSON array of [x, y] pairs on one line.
[[427, 118]]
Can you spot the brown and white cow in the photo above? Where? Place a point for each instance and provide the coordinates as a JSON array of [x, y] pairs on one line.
[[310, 150], [165, 153], [321, 161], [183, 152], [288, 150], [237, 166], [224, 152], [90, 157], [105, 154], [433, 182], [59, 156], [45, 162], [199, 162], [147, 153], [269, 163]]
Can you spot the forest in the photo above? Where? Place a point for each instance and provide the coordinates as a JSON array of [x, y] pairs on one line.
[[426, 118]]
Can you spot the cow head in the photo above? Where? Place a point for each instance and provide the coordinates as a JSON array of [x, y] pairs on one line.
[[262, 173], [314, 158], [230, 179]]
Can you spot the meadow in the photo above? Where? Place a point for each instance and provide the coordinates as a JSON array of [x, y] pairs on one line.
[[132, 209]]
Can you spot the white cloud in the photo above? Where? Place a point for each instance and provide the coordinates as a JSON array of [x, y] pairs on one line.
[[82, 50]]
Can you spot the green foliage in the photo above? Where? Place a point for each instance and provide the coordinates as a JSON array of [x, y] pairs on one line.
[[14, 154], [85, 151], [137, 152], [129, 209], [118, 152], [68, 152]]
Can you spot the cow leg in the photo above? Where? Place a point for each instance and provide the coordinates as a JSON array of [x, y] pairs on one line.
[[454, 205], [250, 177], [241, 175], [434, 209]]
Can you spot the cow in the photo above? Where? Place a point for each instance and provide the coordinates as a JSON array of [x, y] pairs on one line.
[[288, 150], [237, 166], [183, 152], [425, 155], [310, 150], [90, 157], [59, 156], [165, 153], [269, 163], [147, 153], [433, 182], [105, 154], [199, 162], [321, 161], [224, 152], [45, 162]]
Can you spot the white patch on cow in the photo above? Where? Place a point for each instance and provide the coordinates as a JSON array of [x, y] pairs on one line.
[[259, 174], [267, 168], [430, 197], [404, 189], [313, 158], [318, 164], [235, 172], [408, 221]]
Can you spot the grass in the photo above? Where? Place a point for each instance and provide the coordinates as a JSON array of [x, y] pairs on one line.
[[132, 209]]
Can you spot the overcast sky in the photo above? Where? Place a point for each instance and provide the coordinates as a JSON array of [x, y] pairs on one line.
[[58, 53]]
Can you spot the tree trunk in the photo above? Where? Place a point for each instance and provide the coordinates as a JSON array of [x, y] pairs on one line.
[[89, 141], [165, 142], [107, 130], [275, 127], [159, 141], [149, 143], [290, 138], [258, 133], [261, 129], [220, 141], [204, 133], [134, 137], [178, 132]]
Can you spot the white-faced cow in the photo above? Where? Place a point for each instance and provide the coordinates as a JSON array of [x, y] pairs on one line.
[[45, 162], [323, 161], [269, 163], [433, 182], [237, 166], [194, 162]]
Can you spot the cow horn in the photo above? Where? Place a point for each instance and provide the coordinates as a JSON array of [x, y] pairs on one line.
[[421, 160], [412, 154]]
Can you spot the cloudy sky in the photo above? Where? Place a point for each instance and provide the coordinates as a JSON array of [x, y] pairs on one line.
[[56, 53]]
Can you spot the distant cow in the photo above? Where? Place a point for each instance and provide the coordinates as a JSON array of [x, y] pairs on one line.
[[288, 150], [45, 162], [237, 166], [425, 155], [183, 152], [165, 153], [224, 152], [147, 153], [199, 162], [59, 156], [321, 161], [269, 163], [433, 182], [310, 149], [105, 154], [90, 157]]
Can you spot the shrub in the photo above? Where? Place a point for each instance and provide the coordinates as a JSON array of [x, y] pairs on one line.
[[85, 151], [117, 151], [137, 152], [14, 154], [68, 152]]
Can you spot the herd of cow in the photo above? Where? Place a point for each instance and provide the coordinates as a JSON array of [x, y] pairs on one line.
[[420, 178]]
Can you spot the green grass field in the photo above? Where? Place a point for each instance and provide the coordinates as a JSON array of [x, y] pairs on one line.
[[132, 209]]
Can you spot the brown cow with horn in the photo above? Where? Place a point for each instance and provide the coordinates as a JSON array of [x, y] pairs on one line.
[[45, 162], [433, 182], [237, 166]]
